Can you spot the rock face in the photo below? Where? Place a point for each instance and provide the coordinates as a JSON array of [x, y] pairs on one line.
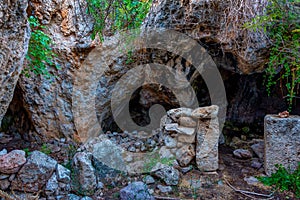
[[207, 22], [282, 142], [35, 173], [49, 101], [14, 37]]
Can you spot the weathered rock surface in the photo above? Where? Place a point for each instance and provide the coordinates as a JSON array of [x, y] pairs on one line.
[[207, 137], [11, 163], [14, 37], [85, 181], [35, 173], [282, 142], [49, 100], [136, 190]]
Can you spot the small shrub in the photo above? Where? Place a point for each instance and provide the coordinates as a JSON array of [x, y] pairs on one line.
[[45, 149], [40, 54], [283, 180], [281, 25]]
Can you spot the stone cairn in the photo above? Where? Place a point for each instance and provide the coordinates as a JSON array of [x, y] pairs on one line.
[[192, 133]]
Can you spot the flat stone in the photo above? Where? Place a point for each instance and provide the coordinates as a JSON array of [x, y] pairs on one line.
[[11, 163], [185, 155], [35, 172], [4, 176], [136, 190], [187, 121], [251, 180], [176, 113], [149, 180], [186, 130], [164, 189], [242, 153], [206, 112], [256, 164], [171, 127], [187, 138], [282, 142]]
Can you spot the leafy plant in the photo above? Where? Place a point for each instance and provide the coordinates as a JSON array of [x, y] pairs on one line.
[[40, 53], [117, 14], [283, 180], [281, 24], [45, 149], [153, 158]]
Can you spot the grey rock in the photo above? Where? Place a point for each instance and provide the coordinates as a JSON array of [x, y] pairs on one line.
[[282, 142], [168, 174], [73, 197], [164, 152], [164, 189], [11, 163], [4, 184], [185, 170], [85, 181], [63, 174], [137, 191], [242, 153], [100, 185], [149, 180], [259, 149], [256, 164], [52, 186], [86, 198], [3, 152], [35, 172], [131, 149], [251, 180], [170, 142], [4, 176]]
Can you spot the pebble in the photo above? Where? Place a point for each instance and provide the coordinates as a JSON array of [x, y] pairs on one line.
[[149, 180], [164, 189], [251, 180], [242, 154]]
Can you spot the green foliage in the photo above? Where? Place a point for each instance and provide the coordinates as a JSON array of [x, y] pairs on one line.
[[40, 54], [117, 14], [153, 158], [283, 180], [45, 149], [281, 24], [27, 152]]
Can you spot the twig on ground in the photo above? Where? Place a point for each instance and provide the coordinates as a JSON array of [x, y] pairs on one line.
[[248, 193]]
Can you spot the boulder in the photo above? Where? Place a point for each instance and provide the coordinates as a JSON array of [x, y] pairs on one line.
[[205, 112], [84, 180], [11, 163], [35, 173]]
